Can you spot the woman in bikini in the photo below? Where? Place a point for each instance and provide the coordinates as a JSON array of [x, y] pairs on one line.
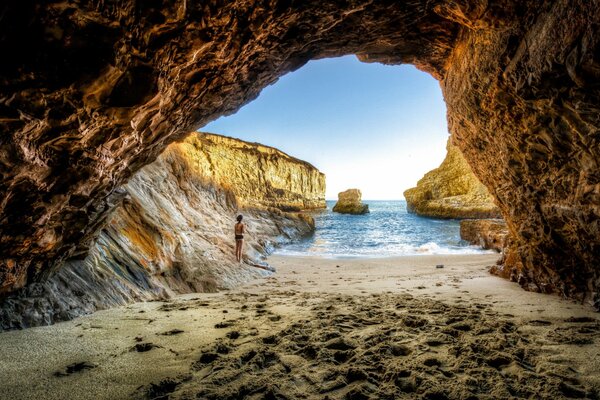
[[239, 238]]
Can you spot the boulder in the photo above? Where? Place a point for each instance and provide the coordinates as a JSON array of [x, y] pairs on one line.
[[349, 202], [487, 233]]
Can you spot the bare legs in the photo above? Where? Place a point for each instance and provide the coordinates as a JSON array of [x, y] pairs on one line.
[[238, 249]]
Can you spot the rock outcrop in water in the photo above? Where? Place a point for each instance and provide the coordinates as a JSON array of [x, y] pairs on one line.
[[349, 202], [92, 91], [451, 191], [173, 232]]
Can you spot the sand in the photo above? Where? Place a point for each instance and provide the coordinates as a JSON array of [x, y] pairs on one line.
[[322, 329]]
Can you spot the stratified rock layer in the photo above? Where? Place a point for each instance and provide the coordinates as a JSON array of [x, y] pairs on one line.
[[259, 176], [173, 233], [92, 91], [451, 191], [487, 233], [349, 202]]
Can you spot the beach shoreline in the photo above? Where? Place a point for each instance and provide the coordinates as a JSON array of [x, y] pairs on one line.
[[336, 328]]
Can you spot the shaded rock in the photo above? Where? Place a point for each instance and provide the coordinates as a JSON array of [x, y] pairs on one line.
[[86, 104], [451, 191], [349, 202], [173, 231], [487, 233]]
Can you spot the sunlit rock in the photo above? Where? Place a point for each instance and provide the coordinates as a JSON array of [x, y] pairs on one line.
[[349, 202], [258, 175], [451, 191]]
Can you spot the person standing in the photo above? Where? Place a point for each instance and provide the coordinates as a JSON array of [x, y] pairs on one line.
[[239, 237]]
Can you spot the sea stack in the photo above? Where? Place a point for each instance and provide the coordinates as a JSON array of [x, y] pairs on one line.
[[349, 202]]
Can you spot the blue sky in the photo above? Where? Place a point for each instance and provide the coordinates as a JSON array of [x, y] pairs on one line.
[[370, 126]]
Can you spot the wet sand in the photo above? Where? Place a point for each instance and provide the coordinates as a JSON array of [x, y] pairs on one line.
[[322, 329]]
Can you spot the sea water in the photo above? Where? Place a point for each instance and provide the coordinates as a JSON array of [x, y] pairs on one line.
[[388, 230]]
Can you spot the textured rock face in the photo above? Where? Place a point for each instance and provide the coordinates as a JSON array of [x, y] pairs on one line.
[[91, 91], [349, 202], [173, 233], [451, 191], [259, 176], [487, 233], [530, 131]]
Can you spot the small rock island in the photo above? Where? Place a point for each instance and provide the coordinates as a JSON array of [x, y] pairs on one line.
[[349, 202]]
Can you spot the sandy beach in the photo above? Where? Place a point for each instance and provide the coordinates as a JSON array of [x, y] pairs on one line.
[[322, 329]]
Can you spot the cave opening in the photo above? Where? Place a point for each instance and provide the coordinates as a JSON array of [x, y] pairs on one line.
[[370, 126], [376, 127]]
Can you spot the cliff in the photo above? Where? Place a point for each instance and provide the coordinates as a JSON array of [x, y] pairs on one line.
[[451, 191], [173, 231], [258, 175]]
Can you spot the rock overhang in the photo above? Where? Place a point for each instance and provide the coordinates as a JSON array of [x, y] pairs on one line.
[[93, 91]]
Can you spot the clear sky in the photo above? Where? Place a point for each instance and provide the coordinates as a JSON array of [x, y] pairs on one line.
[[368, 126]]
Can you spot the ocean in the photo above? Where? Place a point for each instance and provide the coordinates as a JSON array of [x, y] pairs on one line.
[[388, 230]]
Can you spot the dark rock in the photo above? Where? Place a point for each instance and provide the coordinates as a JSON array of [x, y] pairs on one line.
[[487, 233]]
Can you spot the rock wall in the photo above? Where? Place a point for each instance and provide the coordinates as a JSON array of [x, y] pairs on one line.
[[523, 104], [451, 191], [172, 233], [91, 91], [259, 176]]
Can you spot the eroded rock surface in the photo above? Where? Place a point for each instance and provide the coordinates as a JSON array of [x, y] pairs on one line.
[[173, 233], [349, 202], [259, 176], [92, 91], [487, 233], [451, 191]]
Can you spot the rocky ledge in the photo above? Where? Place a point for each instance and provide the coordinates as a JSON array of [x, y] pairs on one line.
[[173, 230], [349, 202], [451, 191]]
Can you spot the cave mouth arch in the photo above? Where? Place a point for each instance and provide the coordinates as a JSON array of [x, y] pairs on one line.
[[375, 127], [520, 82], [370, 126]]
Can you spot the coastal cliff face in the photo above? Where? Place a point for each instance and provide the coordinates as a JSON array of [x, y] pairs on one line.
[[92, 91], [172, 233], [451, 191], [258, 175]]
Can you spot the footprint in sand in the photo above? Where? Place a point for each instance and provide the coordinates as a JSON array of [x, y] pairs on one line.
[[349, 347], [74, 368], [144, 347]]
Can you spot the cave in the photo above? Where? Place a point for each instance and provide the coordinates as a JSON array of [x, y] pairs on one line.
[[92, 91]]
